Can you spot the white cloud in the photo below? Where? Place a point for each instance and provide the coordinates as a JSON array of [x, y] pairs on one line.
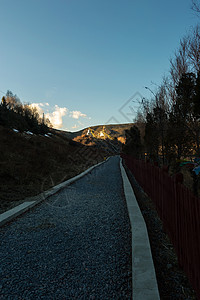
[[75, 126], [56, 116], [38, 106], [75, 114]]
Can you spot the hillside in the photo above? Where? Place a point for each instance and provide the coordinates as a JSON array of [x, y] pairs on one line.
[[108, 138], [114, 130], [30, 163]]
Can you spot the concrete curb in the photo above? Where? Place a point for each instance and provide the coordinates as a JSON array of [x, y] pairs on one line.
[[144, 283], [32, 201]]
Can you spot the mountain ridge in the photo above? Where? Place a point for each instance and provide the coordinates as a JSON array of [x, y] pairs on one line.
[[114, 130]]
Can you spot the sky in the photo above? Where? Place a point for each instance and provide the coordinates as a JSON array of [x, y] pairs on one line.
[[86, 62]]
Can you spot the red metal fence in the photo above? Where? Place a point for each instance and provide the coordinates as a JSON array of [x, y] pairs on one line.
[[179, 210]]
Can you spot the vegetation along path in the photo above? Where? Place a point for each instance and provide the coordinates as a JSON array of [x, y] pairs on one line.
[[74, 245]]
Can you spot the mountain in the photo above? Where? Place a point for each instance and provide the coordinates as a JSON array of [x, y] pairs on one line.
[[113, 130], [106, 138]]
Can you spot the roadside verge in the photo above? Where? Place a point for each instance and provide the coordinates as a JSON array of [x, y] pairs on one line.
[[32, 201], [144, 283]]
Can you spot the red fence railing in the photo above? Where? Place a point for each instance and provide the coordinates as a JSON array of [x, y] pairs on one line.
[[179, 210]]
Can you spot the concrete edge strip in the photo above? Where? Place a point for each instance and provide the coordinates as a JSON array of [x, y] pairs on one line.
[[144, 283], [26, 205]]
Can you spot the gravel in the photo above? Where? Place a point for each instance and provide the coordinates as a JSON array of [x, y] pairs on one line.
[[75, 245]]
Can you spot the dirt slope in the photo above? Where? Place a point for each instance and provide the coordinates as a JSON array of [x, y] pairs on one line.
[[30, 164]]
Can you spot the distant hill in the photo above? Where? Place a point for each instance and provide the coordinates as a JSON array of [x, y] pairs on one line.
[[114, 130], [106, 138]]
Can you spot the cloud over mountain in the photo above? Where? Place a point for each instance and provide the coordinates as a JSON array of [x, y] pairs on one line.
[[75, 114]]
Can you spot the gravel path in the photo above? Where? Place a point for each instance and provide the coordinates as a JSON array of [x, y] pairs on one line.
[[75, 245]]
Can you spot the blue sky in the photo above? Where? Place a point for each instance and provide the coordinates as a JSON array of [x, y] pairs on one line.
[[87, 58]]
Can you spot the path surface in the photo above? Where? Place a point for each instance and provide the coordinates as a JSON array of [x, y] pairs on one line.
[[75, 245]]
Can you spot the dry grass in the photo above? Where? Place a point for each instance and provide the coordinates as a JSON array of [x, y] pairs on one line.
[[31, 164]]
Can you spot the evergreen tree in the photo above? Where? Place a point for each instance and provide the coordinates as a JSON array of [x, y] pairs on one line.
[[133, 143]]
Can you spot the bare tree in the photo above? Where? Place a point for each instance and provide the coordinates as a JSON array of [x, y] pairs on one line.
[[170, 93], [196, 6], [193, 49], [180, 63], [12, 100]]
